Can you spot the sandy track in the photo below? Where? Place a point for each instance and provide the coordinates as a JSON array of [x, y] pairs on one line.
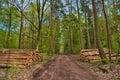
[[64, 68]]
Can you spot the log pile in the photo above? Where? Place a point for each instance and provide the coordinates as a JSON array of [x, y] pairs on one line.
[[92, 55], [18, 57]]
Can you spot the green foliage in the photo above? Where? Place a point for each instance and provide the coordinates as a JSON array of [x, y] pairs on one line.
[[2, 39], [14, 40], [11, 69], [67, 23], [11, 72], [115, 43]]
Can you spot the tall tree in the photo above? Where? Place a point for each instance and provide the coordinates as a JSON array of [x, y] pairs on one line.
[[21, 35], [70, 27], [9, 16], [54, 25], [98, 41], [10, 24], [51, 27], [109, 38], [85, 9], [40, 13], [79, 24], [116, 21]]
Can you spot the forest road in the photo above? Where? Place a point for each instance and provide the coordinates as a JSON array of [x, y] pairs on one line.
[[63, 67]]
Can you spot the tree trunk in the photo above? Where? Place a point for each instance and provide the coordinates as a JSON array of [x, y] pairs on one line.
[[37, 41], [87, 31], [54, 38], [9, 27], [56, 33], [71, 39], [88, 35], [51, 27], [109, 38], [95, 44], [21, 35], [40, 20], [95, 23], [80, 29]]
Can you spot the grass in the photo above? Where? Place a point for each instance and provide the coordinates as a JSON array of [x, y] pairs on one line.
[[11, 72]]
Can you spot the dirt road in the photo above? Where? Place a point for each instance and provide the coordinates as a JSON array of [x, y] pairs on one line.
[[64, 68]]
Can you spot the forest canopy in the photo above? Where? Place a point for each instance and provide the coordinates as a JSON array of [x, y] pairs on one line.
[[60, 26]]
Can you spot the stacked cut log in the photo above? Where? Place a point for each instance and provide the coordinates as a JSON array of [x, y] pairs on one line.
[[18, 57], [92, 55]]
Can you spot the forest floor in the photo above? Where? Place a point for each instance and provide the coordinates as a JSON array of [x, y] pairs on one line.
[[64, 67]]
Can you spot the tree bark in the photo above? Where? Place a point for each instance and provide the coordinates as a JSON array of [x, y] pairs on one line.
[[98, 41], [109, 37], [9, 26], [95, 44], [80, 28], [40, 20], [51, 27], [21, 35], [87, 29], [70, 36]]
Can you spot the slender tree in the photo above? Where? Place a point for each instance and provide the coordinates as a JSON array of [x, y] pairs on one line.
[[9, 24], [21, 35], [87, 31], [98, 41], [85, 8], [109, 38], [40, 13], [79, 24], [51, 27], [70, 27], [95, 42]]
